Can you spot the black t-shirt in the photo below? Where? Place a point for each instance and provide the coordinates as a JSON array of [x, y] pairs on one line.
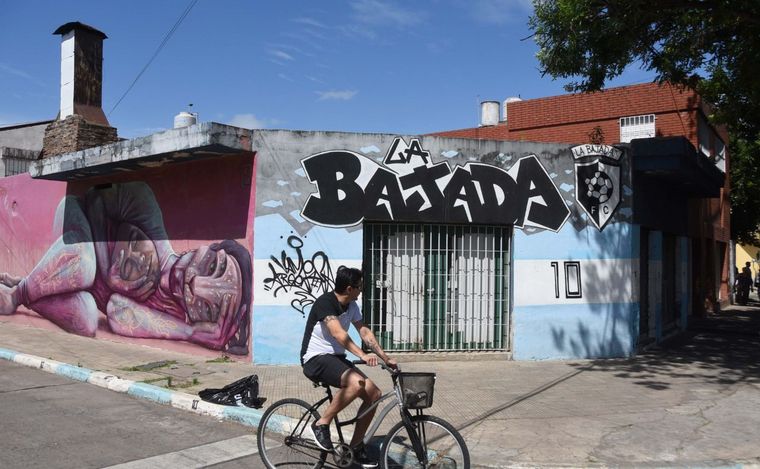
[[317, 340]]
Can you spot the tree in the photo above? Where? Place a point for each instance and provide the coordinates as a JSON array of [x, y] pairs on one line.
[[709, 45]]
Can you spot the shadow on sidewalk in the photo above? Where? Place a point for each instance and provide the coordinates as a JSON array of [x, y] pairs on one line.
[[721, 349]]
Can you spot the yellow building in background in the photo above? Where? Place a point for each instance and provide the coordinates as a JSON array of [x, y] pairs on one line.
[[748, 253]]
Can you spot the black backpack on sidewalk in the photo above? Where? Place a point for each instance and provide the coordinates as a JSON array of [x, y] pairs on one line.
[[243, 392]]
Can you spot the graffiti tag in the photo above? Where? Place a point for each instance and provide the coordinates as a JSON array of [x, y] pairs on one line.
[[306, 279]]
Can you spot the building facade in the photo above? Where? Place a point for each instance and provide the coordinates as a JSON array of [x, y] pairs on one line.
[[620, 115], [528, 250]]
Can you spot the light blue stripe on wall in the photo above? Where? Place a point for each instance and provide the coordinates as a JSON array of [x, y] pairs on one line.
[[685, 296], [655, 245], [271, 232], [616, 241], [574, 331], [277, 335]]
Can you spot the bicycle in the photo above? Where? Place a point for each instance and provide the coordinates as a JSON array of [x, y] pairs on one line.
[[418, 440]]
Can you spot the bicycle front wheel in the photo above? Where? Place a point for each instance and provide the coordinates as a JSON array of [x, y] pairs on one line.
[[285, 439], [444, 446]]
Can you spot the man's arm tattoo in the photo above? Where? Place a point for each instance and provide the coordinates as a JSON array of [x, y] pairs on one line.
[[372, 344], [329, 318]]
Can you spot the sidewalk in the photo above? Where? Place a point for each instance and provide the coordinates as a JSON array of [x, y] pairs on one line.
[[693, 403]]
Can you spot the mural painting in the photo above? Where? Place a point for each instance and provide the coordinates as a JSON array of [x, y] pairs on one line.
[[327, 199], [114, 259], [410, 187], [597, 174]]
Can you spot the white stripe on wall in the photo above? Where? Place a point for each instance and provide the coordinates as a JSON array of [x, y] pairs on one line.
[[537, 282]]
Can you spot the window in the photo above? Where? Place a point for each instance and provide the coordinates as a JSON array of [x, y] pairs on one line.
[[636, 127], [437, 287], [710, 144]]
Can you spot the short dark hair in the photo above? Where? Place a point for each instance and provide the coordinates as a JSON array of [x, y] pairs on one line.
[[347, 277]]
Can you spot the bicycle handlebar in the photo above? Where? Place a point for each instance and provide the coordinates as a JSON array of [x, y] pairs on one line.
[[382, 364]]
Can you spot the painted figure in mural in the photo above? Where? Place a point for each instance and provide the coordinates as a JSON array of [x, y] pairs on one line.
[[323, 356], [114, 257]]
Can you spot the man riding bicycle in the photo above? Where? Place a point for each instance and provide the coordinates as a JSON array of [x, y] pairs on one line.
[[323, 357]]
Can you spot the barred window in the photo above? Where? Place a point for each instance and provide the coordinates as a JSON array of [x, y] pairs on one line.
[[437, 287], [636, 127]]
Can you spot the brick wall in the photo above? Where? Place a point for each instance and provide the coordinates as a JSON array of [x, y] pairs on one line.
[[75, 133], [667, 124], [572, 117], [647, 98]]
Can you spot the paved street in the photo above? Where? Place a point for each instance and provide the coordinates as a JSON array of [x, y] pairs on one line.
[[695, 402], [54, 422]]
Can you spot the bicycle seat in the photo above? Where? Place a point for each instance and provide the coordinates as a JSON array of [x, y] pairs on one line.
[[318, 384]]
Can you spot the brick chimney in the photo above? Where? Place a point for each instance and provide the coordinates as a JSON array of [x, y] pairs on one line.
[[81, 122]]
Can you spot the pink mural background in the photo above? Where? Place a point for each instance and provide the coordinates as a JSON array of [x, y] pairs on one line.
[[201, 204]]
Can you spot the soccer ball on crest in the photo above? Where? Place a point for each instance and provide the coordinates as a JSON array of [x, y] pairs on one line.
[[599, 187]]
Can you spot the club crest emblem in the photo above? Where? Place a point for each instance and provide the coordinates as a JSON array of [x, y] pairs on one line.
[[597, 181]]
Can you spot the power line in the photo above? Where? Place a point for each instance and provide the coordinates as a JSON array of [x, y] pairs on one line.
[[155, 54]]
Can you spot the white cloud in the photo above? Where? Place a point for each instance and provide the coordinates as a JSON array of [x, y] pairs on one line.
[[342, 95], [281, 55], [380, 13], [291, 50], [500, 11], [309, 22], [14, 71], [4, 67], [285, 77], [247, 121]]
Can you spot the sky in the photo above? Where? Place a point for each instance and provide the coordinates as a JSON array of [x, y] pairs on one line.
[[357, 66]]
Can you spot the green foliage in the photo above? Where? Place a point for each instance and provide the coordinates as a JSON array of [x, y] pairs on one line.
[[709, 45], [745, 190]]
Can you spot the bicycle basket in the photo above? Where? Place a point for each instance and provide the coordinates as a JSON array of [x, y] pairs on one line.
[[417, 389]]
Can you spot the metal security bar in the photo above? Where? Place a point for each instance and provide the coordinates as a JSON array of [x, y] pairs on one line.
[[437, 287]]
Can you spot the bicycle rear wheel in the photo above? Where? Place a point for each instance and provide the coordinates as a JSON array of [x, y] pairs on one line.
[[443, 444], [285, 439]]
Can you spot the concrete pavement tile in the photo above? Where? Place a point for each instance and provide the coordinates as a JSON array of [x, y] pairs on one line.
[[731, 427], [659, 441]]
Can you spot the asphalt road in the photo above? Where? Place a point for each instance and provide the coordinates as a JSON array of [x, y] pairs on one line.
[[50, 421]]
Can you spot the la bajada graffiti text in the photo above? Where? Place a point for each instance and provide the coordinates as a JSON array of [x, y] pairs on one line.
[[351, 188]]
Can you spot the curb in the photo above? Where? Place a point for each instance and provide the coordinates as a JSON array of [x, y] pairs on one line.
[[180, 400]]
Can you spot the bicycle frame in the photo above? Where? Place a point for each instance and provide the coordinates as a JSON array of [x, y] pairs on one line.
[[406, 418]]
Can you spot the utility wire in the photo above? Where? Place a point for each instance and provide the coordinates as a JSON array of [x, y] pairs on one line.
[[155, 54]]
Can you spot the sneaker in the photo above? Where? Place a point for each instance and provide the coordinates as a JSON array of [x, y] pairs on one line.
[[322, 436], [361, 458]]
